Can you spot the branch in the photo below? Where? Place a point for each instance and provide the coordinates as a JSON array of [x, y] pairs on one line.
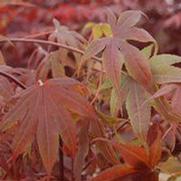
[[45, 42], [14, 79]]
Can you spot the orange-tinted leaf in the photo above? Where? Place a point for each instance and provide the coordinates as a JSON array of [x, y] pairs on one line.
[[133, 155], [142, 175], [113, 173], [2, 61], [97, 129], [155, 149]]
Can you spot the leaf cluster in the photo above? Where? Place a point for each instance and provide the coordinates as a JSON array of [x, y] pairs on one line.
[[95, 109]]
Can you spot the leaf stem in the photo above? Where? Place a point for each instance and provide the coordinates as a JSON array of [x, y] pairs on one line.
[[14, 79], [46, 42]]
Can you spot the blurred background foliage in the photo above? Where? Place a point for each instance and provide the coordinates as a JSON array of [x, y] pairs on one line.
[[33, 18]]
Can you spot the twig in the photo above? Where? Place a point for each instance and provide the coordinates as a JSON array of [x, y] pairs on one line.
[[45, 42], [98, 88], [14, 79], [88, 163]]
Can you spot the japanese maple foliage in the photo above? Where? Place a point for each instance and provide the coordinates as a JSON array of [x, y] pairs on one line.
[[95, 107]]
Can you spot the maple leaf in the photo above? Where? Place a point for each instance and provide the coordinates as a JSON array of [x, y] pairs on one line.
[[138, 162], [43, 112], [97, 131], [98, 30], [133, 155], [65, 36], [149, 159], [82, 150], [51, 64], [139, 111], [115, 172], [173, 21], [115, 102], [137, 106], [6, 91], [170, 137], [174, 106], [163, 69], [2, 61], [116, 49], [171, 166], [155, 150]]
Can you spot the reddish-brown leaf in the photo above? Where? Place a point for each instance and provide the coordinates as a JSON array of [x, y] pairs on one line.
[[138, 67], [2, 61], [133, 155], [155, 150], [82, 150], [6, 90], [115, 172], [43, 112], [63, 35], [97, 130], [123, 30], [113, 62], [142, 175], [50, 65]]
